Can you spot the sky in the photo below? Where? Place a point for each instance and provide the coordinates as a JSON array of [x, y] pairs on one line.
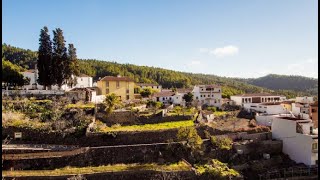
[[247, 38]]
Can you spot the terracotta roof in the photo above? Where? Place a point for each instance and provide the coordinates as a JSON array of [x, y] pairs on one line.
[[181, 90], [30, 70], [314, 104], [164, 94], [147, 84], [83, 75], [255, 94], [114, 78]]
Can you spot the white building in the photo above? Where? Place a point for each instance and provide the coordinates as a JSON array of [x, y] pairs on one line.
[[268, 108], [178, 96], [166, 97], [265, 119], [301, 110], [208, 94], [299, 139], [82, 81], [305, 99], [255, 98], [149, 85]]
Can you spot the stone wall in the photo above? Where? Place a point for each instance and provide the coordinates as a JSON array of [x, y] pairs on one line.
[[37, 137], [268, 146], [132, 118], [103, 156]]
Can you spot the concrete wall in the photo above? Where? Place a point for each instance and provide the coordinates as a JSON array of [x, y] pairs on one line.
[[297, 146]]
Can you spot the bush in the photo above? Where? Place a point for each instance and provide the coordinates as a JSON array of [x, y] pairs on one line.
[[223, 143], [190, 135], [216, 170]]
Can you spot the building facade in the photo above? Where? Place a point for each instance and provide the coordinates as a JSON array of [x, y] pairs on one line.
[[123, 87], [208, 94], [156, 87], [255, 98]]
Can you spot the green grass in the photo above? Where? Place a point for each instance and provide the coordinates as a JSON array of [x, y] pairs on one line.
[[149, 127], [180, 166]]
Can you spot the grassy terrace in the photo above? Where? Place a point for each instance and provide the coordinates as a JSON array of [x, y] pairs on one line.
[[180, 166], [148, 127]]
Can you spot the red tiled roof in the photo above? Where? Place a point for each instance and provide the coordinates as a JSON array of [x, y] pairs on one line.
[[83, 75], [30, 70], [164, 94], [181, 90], [114, 78]]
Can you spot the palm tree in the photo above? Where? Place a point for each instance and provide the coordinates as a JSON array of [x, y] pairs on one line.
[[111, 102]]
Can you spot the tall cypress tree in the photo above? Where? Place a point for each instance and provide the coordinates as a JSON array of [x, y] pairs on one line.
[[72, 66], [44, 62], [59, 57]]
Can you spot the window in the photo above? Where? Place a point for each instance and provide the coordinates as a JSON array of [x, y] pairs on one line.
[[127, 91], [163, 98], [200, 95], [212, 95], [197, 97], [118, 84], [107, 91], [107, 84], [204, 95], [314, 146], [81, 79], [170, 98], [128, 97], [177, 97]]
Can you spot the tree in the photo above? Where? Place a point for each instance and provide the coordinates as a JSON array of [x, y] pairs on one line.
[[44, 62], [146, 92], [191, 137], [11, 74], [111, 102], [188, 97], [59, 58]]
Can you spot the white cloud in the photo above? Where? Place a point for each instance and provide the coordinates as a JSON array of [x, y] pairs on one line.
[[307, 68], [195, 62], [221, 52]]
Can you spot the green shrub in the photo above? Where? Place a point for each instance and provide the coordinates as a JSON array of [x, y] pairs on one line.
[[223, 143], [216, 170]]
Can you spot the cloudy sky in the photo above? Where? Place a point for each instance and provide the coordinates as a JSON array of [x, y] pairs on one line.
[[247, 38]]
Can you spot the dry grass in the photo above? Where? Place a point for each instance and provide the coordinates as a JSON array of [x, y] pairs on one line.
[[17, 119], [180, 166]]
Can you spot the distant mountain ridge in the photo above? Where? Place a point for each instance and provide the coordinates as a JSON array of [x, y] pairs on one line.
[[285, 82], [289, 86]]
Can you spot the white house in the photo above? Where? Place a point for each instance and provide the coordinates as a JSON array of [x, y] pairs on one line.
[[150, 85], [299, 139], [305, 99], [208, 94], [82, 81], [205, 116], [178, 96], [268, 108], [255, 98], [166, 97]]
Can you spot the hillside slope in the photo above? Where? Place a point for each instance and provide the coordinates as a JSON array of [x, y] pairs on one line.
[[145, 74]]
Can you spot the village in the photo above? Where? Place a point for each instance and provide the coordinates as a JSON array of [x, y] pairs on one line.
[[130, 130]]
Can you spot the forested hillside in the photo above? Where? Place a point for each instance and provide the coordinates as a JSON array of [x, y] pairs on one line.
[[285, 82], [144, 74]]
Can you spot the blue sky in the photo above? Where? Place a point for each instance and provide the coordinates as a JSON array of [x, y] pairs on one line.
[[245, 38]]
